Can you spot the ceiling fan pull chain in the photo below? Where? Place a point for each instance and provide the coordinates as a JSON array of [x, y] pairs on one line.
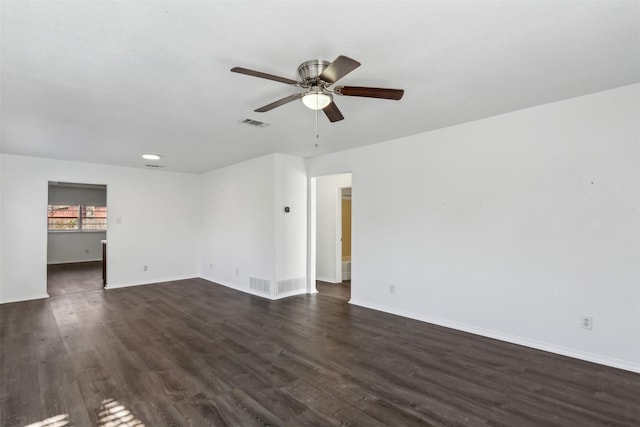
[[317, 135]]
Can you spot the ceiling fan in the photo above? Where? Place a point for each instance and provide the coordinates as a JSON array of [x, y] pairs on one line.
[[318, 76]]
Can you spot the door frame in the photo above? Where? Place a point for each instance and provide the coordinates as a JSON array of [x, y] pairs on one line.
[[312, 230]]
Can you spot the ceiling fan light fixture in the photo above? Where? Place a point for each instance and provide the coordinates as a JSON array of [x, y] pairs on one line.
[[316, 99]]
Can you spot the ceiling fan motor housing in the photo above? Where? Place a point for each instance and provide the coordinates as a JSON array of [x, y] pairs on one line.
[[310, 70]]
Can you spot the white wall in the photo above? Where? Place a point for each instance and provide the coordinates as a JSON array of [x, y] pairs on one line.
[[290, 228], [1, 222], [327, 224], [245, 230], [153, 218], [238, 228], [68, 246], [511, 227], [79, 195]]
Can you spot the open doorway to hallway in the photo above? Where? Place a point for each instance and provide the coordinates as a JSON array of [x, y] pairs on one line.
[[333, 198], [76, 237]]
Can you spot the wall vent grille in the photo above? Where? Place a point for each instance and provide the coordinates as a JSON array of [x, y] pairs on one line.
[[290, 285], [254, 123], [260, 285]]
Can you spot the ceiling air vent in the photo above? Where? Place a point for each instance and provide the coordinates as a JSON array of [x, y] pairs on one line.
[[255, 123], [154, 166]]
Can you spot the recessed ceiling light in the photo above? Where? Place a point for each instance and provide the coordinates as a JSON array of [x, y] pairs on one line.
[[150, 156]]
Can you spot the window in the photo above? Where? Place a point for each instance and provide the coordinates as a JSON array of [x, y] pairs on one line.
[[93, 217], [63, 217], [76, 217]]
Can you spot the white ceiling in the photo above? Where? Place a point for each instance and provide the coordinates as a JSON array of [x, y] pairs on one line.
[[104, 82]]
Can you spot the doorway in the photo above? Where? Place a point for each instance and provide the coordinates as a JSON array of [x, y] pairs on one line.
[[76, 237], [330, 235], [345, 236]]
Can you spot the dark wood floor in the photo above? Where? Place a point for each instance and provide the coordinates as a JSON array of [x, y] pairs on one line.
[[342, 291], [192, 353], [74, 277]]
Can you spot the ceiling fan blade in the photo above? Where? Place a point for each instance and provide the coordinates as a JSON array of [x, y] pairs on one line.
[[333, 113], [370, 92], [264, 75], [278, 103], [339, 68]]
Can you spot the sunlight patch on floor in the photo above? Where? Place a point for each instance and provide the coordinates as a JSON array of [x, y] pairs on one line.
[[61, 420], [114, 414], [111, 414]]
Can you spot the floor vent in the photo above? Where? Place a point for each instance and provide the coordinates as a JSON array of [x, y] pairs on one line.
[[290, 285], [260, 285], [255, 123]]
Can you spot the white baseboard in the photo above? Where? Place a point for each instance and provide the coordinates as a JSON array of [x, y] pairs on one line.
[[513, 339], [252, 292], [325, 279], [154, 282], [74, 262], [290, 294], [236, 287], [23, 298]]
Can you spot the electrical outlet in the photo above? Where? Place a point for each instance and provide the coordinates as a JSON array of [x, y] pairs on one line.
[[145, 268], [210, 265], [586, 322], [237, 271], [392, 289], [86, 251]]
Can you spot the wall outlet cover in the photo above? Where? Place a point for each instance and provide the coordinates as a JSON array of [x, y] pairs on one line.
[[586, 322]]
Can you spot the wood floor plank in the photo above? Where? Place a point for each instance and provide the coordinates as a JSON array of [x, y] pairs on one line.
[[201, 410], [69, 278], [194, 353], [65, 403]]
